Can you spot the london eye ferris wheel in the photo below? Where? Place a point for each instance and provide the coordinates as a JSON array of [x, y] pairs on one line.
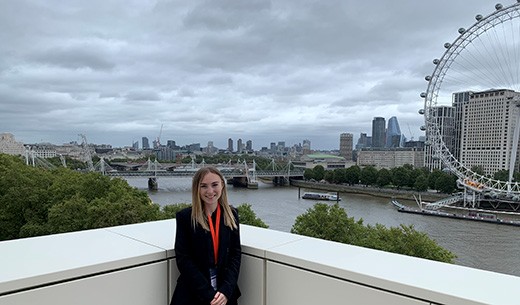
[[484, 56]]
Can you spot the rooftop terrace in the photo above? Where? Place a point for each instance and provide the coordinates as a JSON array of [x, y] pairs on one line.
[[135, 264]]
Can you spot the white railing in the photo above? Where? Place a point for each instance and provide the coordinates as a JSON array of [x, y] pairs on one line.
[[134, 265]]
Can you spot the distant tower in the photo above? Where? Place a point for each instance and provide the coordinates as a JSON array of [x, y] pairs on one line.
[[459, 99], [378, 132], [146, 144], [306, 147], [249, 145], [240, 146], [210, 149], [346, 140], [445, 120], [272, 147], [171, 144], [230, 145], [362, 141], [393, 134]]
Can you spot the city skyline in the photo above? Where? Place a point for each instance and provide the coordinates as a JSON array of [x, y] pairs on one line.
[[208, 71], [146, 143]]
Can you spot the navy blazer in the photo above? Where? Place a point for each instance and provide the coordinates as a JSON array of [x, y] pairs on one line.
[[194, 256]]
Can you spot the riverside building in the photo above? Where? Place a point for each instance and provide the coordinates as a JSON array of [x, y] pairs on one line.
[[8, 145], [478, 129], [390, 157], [346, 141], [487, 128]]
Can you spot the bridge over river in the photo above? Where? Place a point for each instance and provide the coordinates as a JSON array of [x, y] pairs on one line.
[[240, 174]]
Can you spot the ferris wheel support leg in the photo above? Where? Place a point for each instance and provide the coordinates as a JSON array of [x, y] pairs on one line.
[[512, 161]]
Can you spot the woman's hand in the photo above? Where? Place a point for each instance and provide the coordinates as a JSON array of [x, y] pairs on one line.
[[219, 299]]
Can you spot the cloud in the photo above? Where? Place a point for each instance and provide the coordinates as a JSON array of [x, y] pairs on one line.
[[209, 70]]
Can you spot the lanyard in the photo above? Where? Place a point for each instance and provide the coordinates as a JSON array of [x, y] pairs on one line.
[[215, 232]]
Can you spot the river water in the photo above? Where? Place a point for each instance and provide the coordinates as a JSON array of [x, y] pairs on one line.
[[478, 245]]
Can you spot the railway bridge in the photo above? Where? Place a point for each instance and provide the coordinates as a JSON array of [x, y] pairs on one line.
[[239, 174]]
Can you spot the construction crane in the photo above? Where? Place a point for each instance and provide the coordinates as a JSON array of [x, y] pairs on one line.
[[158, 140], [410, 131]]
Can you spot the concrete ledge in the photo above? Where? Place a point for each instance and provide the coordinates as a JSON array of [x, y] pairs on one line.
[[278, 268]]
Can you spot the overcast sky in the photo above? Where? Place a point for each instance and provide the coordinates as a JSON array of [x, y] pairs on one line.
[[266, 71]]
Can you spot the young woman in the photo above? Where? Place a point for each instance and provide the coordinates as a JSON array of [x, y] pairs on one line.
[[207, 245]]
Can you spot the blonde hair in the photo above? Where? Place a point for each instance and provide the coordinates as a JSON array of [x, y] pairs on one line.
[[197, 211]]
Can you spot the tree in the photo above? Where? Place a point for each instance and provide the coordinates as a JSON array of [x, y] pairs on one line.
[[400, 176], [319, 172], [327, 222], [421, 183], [433, 177], [479, 169], [352, 175], [332, 223], [446, 183], [329, 176], [414, 174], [170, 210], [339, 175], [308, 174], [248, 217], [408, 241], [368, 175], [23, 196], [502, 175], [384, 177], [35, 201]]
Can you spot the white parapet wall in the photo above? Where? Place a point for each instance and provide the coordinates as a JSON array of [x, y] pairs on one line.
[[135, 265]]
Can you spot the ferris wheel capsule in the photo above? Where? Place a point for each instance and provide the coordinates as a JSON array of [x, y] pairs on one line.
[[462, 30], [421, 111], [447, 45], [423, 94], [479, 17], [498, 6], [423, 128], [436, 61], [428, 78]]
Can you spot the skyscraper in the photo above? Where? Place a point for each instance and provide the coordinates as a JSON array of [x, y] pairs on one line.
[[306, 147], [346, 141], [445, 121], [378, 132], [363, 141], [393, 134], [146, 144], [458, 101], [240, 146], [230, 145]]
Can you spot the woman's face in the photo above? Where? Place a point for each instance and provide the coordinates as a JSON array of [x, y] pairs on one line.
[[210, 189]]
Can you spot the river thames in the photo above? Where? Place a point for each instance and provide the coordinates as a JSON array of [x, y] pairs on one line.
[[479, 245]]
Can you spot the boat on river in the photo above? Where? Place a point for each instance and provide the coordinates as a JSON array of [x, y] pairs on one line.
[[475, 215], [321, 196]]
